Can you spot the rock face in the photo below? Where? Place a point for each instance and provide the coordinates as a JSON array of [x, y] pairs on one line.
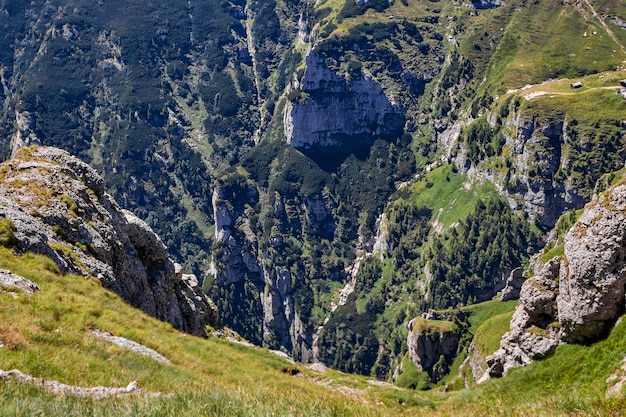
[[263, 288], [539, 157], [431, 346], [339, 112], [58, 208], [24, 132], [487, 4], [513, 285], [577, 298]]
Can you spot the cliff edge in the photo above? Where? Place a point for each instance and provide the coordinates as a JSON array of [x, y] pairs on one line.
[[53, 204], [577, 297]]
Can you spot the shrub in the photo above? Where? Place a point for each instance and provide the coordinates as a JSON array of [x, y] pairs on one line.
[[7, 233]]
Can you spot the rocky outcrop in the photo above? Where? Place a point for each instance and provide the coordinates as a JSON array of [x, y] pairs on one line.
[[576, 298], [11, 281], [132, 346], [487, 4], [592, 285], [58, 208], [476, 363], [341, 112], [431, 345], [513, 285], [24, 132], [536, 142]]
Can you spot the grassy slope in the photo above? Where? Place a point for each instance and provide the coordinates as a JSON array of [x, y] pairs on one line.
[[571, 382], [45, 335], [578, 44], [451, 196], [488, 321]]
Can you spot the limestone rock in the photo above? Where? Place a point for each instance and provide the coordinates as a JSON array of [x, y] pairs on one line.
[[9, 280], [537, 154], [428, 343], [58, 208], [339, 112], [24, 132], [513, 285], [576, 298], [591, 292]]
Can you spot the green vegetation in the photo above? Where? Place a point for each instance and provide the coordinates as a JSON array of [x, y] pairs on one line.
[[482, 141], [574, 379], [578, 44], [72, 208], [450, 195], [487, 337], [469, 260], [169, 100], [421, 325], [7, 232], [455, 265], [47, 335]]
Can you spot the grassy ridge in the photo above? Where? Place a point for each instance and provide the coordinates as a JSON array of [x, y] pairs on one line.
[[45, 335]]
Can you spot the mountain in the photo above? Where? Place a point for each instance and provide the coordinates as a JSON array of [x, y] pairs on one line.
[[332, 171], [70, 346], [576, 297]]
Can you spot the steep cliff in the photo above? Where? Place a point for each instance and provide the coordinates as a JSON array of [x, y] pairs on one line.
[[56, 206], [432, 345], [340, 114], [254, 267], [537, 153], [578, 297]]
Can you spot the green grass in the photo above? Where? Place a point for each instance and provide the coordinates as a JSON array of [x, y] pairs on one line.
[[411, 377], [484, 311], [450, 195], [46, 335], [421, 325], [7, 232], [525, 57], [572, 381], [488, 335], [558, 250]]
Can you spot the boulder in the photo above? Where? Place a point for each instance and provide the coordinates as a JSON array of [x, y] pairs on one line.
[[10, 281]]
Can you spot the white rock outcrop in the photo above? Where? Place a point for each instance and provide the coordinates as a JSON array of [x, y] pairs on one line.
[[58, 207], [576, 298], [339, 111]]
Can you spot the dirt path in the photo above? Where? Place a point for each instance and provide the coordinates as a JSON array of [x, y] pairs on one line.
[[534, 94]]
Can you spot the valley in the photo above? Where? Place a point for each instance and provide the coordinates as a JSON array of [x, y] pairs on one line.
[[354, 184]]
